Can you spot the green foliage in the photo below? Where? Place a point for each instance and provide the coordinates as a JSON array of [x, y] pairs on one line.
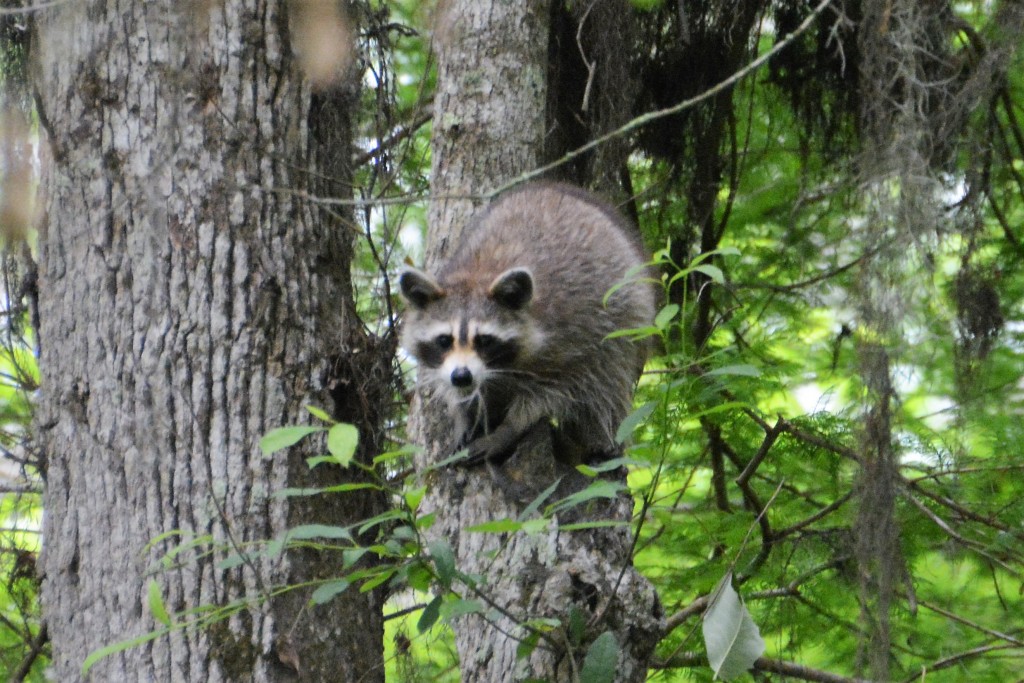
[[23, 644], [599, 664]]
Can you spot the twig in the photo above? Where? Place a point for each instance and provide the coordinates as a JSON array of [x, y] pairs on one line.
[[818, 441], [778, 666], [583, 55], [949, 661], [679, 618], [394, 138], [35, 649], [805, 673], [961, 510], [966, 542], [769, 440], [957, 471], [823, 512], [967, 622], [36, 7]]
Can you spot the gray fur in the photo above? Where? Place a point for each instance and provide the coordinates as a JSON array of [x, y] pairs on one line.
[[573, 248]]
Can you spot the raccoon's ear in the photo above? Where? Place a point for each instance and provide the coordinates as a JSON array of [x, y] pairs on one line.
[[418, 288], [513, 288]]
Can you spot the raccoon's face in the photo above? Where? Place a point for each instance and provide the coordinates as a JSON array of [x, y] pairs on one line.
[[464, 342]]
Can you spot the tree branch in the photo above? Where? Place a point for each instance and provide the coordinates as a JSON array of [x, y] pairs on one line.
[[35, 649], [778, 666], [951, 660]]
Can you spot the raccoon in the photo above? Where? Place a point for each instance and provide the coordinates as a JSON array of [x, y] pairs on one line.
[[512, 329]]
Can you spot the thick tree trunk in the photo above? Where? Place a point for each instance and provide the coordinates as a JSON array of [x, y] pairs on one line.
[[186, 301], [489, 126]]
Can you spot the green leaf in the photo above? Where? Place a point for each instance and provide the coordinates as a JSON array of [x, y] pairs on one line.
[[606, 466], [97, 655], [419, 577], [340, 488], [635, 332], [450, 460], [527, 645], [231, 561], [342, 440], [327, 591], [537, 525], [156, 604], [577, 624], [414, 496], [596, 489], [453, 609], [743, 370], [349, 556], [430, 614], [426, 521], [444, 561], [381, 577], [283, 437], [595, 524], [320, 460], [665, 316], [713, 272], [403, 532], [496, 526], [539, 500], [633, 420], [320, 414], [310, 531], [389, 516], [599, 665], [403, 452], [293, 492], [732, 639]]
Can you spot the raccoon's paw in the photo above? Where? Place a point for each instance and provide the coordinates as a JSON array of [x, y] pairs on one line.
[[477, 453], [484, 449]]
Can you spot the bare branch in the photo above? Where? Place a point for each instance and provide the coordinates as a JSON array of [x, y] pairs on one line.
[[956, 536], [769, 441], [952, 660], [966, 622], [35, 649], [396, 137], [696, 607], [778, 666]]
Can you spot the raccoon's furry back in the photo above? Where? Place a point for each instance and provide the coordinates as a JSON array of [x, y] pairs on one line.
[[576, 248]]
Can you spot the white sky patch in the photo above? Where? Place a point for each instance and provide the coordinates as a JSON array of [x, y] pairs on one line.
[[813, 399], [410, 236]]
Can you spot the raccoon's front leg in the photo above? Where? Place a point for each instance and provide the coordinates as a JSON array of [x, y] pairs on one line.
[[496, 447]]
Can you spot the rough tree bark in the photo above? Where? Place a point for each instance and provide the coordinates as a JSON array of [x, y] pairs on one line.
[[188, 301], [489, 126]]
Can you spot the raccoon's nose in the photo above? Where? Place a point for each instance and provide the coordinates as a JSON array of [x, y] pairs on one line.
[[462, 377]]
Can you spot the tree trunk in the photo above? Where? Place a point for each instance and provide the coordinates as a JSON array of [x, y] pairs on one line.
[[187, 299], [489, 126]]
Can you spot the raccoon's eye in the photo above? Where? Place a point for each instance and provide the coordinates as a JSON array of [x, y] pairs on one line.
[[444, 341], [482, 342]]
